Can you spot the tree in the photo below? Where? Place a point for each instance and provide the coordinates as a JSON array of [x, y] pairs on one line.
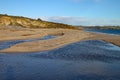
[[39, 19]]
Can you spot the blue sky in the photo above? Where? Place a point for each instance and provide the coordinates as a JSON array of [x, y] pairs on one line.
[[76, 12]]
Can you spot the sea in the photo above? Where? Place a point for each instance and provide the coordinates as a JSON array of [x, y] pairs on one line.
[[105, 31], [85, 60]]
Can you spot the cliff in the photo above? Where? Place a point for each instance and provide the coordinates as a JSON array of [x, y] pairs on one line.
[[6, 20]]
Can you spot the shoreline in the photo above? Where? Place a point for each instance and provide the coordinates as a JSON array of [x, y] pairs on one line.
[[70, 36], [103, 33]]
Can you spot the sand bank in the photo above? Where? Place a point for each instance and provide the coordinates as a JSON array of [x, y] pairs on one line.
[[70, 36]]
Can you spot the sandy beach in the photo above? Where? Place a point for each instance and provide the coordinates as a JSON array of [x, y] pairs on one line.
[[64, 37]]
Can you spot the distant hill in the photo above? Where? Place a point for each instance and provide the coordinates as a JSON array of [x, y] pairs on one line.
[[103, 27], [7, 20]]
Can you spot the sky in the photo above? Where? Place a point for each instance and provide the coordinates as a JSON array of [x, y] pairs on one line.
[[75, 12]]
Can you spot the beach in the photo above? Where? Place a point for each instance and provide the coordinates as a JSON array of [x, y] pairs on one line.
[[58, 54], [60, 40], [83, 60], [64, 37]]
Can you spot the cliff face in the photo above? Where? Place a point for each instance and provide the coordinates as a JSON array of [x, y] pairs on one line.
[[19, 21], [6, 20]]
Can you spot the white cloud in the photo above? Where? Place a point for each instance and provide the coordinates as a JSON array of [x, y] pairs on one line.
[[81, 21]]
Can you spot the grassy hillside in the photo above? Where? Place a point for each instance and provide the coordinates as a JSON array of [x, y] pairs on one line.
[[6, 20]]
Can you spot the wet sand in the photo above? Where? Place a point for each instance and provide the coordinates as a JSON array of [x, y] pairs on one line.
[[89, 57], [114, 39], [84, 60], [66, 36]]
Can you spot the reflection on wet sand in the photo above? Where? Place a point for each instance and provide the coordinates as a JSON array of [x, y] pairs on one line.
[[8, 44], [86, 60]]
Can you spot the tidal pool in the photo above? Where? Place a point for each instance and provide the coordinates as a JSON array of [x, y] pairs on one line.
[[86, 60], [8, 44]]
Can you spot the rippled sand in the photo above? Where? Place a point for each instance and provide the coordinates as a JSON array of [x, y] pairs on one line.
[[84, 60], [89, 57]]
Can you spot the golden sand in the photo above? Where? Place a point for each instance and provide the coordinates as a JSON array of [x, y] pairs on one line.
[[70, 36]]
